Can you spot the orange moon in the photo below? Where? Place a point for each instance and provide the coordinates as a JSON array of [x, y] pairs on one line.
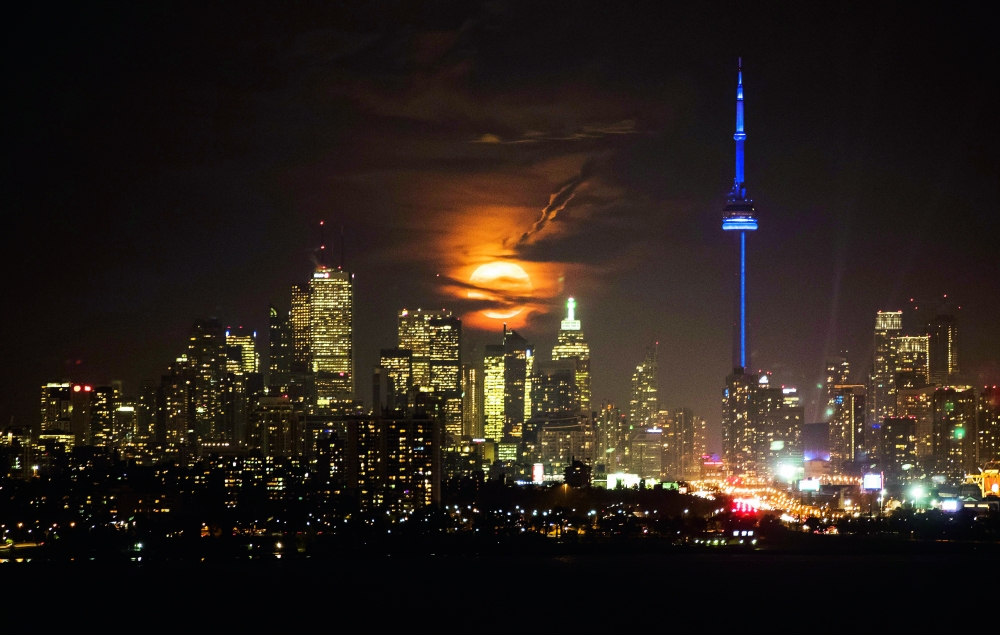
[[504, 278]]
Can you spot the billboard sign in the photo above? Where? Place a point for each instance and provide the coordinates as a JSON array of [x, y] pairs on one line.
[[872, 482]]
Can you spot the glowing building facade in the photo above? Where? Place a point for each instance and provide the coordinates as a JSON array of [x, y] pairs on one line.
[[644, 404], [279, 351], [942, 336], [494, 389], [435, 339], [300, 323], [910, 355], [398, 365], [888, 326], [515, 370], [241, 352], [572, 345], [331, 337], [847, 428]]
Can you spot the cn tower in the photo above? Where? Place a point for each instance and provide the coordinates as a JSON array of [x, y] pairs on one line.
[[739, 216]]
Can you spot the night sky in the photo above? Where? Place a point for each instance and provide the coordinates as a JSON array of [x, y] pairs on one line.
[[166, 162]]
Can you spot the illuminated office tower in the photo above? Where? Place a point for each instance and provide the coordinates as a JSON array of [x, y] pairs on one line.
[[942, 333], [739, 435], [888, 325], [838, 372], [847, 428], [572, 345], [515, 369], [435, 339], [955, 431], [241, 352], [331, 338], [207, 352], [472, 400], [644, 403], [910, 354], [279, 348], [493, 392], [398, 365], [56, 408], [988, 426], [300, 323], [554, 392], [918, 404]]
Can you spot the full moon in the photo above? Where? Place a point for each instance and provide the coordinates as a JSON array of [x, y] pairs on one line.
[[503, 277]]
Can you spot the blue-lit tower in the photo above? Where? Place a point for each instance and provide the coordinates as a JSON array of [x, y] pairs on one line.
[[739, 216]]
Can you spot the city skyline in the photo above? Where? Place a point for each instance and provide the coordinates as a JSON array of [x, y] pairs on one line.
[[855, 247]]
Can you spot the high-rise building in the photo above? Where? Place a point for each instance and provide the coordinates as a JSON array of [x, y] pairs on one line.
[[988, 426], [398, 364], [612, 439], [782, 440], [275, 428], [572, 345], [279, 352], [515, 373], [207, 353], [241, 352], [176, 403], [898, 453], [691, 443], [739, 433], [644, 403], [472, 401], [103, 404], [954, 436], [847, 428], [918, 404], [910, 354], [646, 453], [56, 407], [300, 323], [494, 389], [554, 392], [435, 338], [394, 462], [888, 326], [942, 334], [838, 371], [331, 336]]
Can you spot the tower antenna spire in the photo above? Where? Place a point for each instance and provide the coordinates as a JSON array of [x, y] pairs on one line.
[[341, 246], [739, 215], [322, 245]]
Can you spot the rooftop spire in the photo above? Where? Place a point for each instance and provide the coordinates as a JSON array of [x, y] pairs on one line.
[[740, 136], [570, 323]]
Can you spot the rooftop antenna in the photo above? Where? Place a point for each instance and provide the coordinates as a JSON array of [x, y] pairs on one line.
[[341, 246], [322, 245]]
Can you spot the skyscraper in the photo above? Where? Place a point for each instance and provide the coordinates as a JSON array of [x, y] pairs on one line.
[[554, 392], [572, 345], [515, 373], [888, 325], [847, 428], [739, 216], [644, 403], [739, 434], [207, 353], [241, 352], [472, 401], [398, 364], [942, 332], [493, 392], [838, 371], [910, 354], [435, 339], [331, 336], [279, 352], [300, 322]]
